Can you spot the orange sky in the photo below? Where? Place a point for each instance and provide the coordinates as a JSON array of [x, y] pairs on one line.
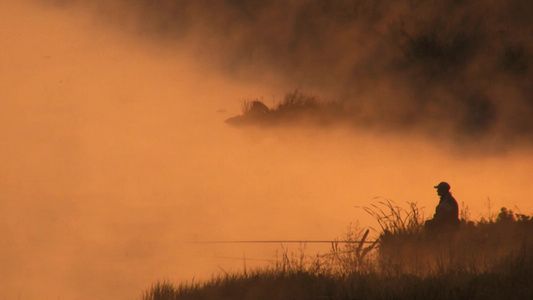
[[114, 157]]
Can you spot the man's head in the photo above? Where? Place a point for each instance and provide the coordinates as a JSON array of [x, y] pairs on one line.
[[443, 188]]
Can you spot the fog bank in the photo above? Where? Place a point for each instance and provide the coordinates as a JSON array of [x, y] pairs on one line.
[[455, 70]]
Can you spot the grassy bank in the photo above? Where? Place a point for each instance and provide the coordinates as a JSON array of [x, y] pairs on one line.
[[487, 259]]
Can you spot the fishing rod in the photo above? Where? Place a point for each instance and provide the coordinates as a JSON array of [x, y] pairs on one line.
[[359, 242], [286, 242]]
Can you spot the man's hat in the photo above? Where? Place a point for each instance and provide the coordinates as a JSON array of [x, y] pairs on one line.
[[443, 185]]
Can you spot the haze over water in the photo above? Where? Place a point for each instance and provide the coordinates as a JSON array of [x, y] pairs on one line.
[[114, 157]]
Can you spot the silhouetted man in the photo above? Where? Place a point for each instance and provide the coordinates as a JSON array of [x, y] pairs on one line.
[[447, 212]]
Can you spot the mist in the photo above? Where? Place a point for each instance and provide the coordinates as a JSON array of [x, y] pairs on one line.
[[115, 156], [456, 70]]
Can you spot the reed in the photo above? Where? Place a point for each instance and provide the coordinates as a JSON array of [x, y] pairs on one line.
[[487, 259]]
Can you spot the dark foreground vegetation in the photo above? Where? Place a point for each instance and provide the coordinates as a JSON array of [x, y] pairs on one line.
[[488, 259]]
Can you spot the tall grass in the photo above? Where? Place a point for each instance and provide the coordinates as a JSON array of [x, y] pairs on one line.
[[485, 259], [293, 108], [396, 220]]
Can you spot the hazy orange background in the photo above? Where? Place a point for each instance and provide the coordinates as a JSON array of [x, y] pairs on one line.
[[114, 157]]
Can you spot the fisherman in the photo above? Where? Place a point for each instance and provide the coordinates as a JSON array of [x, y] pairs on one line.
[[447, 212]]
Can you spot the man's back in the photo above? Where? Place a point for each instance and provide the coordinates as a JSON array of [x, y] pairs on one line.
[[447, 211]]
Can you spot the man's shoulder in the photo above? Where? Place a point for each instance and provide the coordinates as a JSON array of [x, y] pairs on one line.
[[449, 198]]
